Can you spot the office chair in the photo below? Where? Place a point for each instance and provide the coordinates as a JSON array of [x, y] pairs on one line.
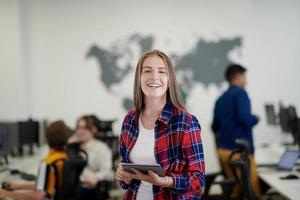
[[226, 185], [241, 170], [105, 134], [73, 167]]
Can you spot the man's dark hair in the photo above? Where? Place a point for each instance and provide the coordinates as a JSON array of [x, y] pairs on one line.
[[233, 70], [57, 134]]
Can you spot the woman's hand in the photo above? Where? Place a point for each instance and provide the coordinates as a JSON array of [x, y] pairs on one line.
[[90, 184], [123, 175], [151, 177]]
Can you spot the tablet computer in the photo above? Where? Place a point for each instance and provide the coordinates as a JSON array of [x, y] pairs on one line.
[[143, 168]]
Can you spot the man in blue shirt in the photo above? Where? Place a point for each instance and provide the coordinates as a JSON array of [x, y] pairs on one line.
[[233, 119]]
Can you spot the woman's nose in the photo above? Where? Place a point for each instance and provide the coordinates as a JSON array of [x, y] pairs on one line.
[[154, 76]]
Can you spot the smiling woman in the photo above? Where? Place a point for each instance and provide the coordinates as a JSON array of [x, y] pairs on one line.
[[156, 63], [160, 131]]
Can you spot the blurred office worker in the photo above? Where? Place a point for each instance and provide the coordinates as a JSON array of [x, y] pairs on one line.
[[233, 120], [46, 186], [99, 167], [160, 131]]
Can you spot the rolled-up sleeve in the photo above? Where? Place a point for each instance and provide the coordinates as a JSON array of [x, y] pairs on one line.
[[193, 178], [46, 179], [123, 148]]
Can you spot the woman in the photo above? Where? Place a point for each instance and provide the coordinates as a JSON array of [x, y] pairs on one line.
[[99, 167], [160, 131]]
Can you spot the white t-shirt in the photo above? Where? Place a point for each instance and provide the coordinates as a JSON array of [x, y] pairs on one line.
[[143, 153]]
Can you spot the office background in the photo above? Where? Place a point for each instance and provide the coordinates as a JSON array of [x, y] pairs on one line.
[[54, 56]]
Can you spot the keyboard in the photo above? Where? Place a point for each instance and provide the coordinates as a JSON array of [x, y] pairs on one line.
[[268, 165]]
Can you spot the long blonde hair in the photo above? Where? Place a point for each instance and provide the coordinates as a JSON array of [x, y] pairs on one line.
[[173, 92]]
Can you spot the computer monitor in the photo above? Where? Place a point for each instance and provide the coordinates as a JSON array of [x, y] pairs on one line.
[[297, 133], [28, 133], [4, 141], [105, 126], [292, 122], [270, 112], [13, 138], [13, 135], [292, 118], [284, 119], [3, 145]]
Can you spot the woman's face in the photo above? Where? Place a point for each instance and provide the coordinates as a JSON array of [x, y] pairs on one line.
[[154, 77], [83, 133]]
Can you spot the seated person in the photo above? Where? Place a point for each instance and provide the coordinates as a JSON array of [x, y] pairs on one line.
[[99, 167], [45, 186]]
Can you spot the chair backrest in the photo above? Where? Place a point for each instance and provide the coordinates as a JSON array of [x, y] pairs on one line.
[[71, 183], [241, 169], [72, 168]]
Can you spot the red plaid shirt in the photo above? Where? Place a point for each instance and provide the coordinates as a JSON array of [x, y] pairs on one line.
[[178, 150]]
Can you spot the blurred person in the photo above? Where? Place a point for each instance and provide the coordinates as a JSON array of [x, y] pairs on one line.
[[46, 185], [233, 120], [99, 167]]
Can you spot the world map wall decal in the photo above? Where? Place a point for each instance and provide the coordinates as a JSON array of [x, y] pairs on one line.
[[204, 63]]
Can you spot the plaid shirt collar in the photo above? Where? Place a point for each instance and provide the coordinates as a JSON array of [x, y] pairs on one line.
[[164, 117]]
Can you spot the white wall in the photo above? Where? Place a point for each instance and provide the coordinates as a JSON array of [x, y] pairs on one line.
[[61, 83], [12, 88]]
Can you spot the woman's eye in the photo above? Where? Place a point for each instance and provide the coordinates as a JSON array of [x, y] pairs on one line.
[[147, 71], [162, 72]]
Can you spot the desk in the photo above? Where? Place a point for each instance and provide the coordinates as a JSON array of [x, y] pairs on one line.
[[288, 188], [27, 164], [271, 155]]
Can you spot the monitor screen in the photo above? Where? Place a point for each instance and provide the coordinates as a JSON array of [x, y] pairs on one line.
[[3, 140], [28, 133], [284, 119], [292, 118], [105, 125], [297, 133], [271, 116], [13, 129], [288, 160]]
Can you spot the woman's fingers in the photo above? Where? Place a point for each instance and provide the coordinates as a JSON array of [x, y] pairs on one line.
[[151, 177], [157, 179], [119, 176], [138, 175], [119, 173], [120, 165], [153, 174], [123, 175], [137, 172]]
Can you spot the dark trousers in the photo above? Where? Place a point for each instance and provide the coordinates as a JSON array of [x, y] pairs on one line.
[[100, 192]]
